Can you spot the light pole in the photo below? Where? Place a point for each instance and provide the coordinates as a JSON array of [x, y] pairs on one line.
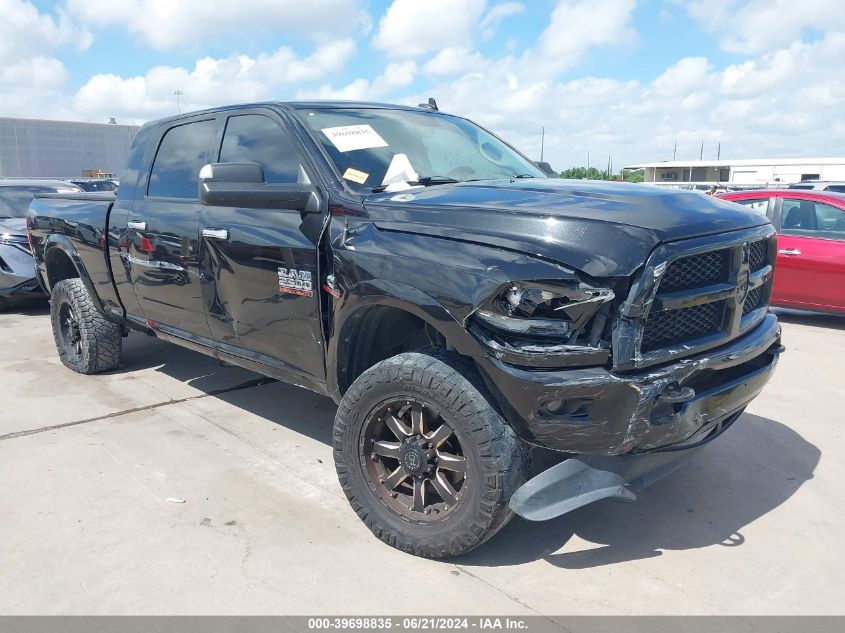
[[178, 94]]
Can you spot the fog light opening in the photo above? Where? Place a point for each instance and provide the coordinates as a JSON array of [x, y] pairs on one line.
[[573, 408]]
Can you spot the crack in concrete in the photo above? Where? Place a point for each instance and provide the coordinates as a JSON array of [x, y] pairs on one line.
[[509, 596], [257, 382]]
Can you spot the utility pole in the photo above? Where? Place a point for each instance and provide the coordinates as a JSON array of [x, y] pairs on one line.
[[675, 150], [719, 151], [701, 152], [178, 94], [542, 140]]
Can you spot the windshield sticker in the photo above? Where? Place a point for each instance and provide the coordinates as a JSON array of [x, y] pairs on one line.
[[347, 138], [355, 176]]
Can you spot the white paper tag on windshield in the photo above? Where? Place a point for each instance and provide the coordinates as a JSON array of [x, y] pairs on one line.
[[347, 138], [400, 171]]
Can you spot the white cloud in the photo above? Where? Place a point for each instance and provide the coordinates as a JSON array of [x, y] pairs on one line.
[[686, 76], [171, 24], [749, 27], [494, 17], [234, 79], [578, 25], [395, 75], [25, 32], [783, 103], [454, 61], [411, 28], [30, 76]]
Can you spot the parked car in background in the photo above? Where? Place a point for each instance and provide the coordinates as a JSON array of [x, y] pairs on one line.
[[95, 184], [811, 245], [17, 268], [820, 185]]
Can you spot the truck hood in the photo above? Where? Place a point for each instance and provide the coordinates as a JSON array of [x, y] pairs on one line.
[[12, 226], [604, 229]]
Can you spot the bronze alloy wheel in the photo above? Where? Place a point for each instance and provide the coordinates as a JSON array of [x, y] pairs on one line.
[[424, 458], [70, 333], [413, 460]]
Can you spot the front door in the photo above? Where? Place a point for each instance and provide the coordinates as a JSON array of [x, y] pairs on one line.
[[810, 269], [163, 249], [264, 304]]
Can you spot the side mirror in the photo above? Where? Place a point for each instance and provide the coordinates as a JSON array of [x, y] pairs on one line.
[[546, 168], [243, 185]]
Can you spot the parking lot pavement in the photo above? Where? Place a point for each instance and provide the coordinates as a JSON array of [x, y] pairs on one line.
[[87, 464]]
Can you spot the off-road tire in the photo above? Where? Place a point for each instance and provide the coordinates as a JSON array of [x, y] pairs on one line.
[[496, 460], [99, 341]]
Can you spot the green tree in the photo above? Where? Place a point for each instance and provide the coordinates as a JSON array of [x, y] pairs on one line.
[[589, 173], [634, 176]]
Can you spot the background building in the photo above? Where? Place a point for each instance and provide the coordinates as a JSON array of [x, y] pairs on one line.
[[33, 148], [757, 172]]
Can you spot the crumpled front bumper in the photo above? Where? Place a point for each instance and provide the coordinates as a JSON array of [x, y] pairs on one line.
[[626, 431], [576, 482], [598, 412]]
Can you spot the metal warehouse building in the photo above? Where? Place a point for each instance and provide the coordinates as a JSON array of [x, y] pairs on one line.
[[34, 148], [758, 172]]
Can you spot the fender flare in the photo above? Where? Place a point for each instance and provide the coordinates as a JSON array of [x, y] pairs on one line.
[[393, 294], [63, 244]]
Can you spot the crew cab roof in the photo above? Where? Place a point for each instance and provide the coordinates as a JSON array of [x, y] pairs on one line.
[[298, 105]]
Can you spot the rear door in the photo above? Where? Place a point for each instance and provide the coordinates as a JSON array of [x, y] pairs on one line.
[[810, 269], [163, 249], [263, 262]]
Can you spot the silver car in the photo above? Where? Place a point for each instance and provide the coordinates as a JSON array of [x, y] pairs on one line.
[[820, 185], [17, 268]]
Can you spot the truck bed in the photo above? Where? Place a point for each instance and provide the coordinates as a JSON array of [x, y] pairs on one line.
[[79, 222]]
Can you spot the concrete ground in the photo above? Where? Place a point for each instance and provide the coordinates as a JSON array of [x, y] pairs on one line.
[[753, 525]]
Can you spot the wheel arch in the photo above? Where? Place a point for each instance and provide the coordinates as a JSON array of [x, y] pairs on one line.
[[381, 306], [62, 261]]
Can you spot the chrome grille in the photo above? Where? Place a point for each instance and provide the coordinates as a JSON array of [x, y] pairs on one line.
[[695, 271], [671, 327]]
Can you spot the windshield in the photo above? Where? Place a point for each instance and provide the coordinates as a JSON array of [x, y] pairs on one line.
[[382, 149], [14, 200], [95, 185]]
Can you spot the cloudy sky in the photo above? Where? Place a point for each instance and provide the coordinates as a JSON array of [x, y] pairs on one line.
[[610, 77]]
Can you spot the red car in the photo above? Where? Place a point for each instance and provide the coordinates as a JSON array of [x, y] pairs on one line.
[[810, 271]]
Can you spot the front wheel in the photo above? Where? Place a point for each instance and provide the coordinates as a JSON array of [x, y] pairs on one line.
[[424, 459], [87, 342]]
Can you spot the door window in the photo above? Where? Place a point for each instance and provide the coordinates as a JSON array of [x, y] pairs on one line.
[[255, 138], [812, 219], [181, 154], [757, 204]]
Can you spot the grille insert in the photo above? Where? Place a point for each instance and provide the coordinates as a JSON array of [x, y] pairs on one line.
[[695, 271], [752, 301], [758, 254], [663, 329]]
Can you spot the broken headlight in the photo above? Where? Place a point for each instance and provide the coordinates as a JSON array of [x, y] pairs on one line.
[[546, 324]]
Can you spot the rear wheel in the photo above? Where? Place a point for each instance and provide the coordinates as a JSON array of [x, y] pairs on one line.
[[87, 342], [425, 460]]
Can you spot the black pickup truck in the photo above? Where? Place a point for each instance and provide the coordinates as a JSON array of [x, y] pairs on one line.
[[460, 307]]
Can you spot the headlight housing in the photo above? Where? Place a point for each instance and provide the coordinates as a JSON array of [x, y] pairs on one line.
[[545, 323]]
